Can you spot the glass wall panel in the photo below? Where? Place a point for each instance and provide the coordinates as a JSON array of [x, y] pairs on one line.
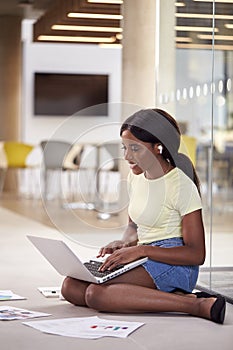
[[221, 274], [200, 95]]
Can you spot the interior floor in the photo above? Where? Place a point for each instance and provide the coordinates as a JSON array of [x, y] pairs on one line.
[[23, 270]]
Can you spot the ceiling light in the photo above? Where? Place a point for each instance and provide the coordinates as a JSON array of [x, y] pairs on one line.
[[116, 2], [216, 37], [201, 15], [119, 36], [76, 39], [184, 39], [204, 46], [229, 26], [93, 15], [86, 28], [226, 1], [179, 4], [195, 29]]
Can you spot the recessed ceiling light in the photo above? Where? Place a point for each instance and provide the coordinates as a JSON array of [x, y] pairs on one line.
[[229, 26], [216, 37], [226, 1], [119, 36], [204, 46], [76, 39], [195, 29], [86, 28], [93, 15], [179, 4], [201, 15], [183, 39], [116, 2]]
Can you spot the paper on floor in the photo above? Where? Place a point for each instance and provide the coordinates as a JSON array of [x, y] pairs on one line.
[[86, 327], [9, 295], [8, 313]]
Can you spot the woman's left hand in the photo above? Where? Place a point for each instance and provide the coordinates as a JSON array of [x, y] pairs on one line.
[[120, 257]]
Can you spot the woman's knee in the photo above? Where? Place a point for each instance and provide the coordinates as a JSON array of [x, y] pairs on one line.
[[93, 296], [66, 285]]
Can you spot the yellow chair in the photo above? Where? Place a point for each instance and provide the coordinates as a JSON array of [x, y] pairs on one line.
[[3, 165], [188, 146], [16, 154]]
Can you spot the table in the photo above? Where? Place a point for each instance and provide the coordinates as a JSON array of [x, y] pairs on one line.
[[113, 151]]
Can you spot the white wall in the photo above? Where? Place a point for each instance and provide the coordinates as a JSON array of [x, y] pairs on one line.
[[68, 58]]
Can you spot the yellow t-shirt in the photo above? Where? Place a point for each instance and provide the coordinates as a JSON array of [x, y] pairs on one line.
[[157, 206]]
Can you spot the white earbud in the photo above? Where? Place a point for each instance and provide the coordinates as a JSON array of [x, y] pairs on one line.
[[160, 148]]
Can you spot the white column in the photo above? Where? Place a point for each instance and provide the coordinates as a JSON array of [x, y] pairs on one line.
[[165, 56], [10, 73], [148, 60], [139, 52], [138, 69], [10, 83]]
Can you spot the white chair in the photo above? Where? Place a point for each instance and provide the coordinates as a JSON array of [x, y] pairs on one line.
[[58, 156], [108, 174]]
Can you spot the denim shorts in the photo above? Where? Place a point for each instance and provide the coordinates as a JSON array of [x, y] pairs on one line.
[[169, 278]]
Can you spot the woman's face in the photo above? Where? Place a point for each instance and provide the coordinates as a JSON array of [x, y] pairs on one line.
[[141, 156]]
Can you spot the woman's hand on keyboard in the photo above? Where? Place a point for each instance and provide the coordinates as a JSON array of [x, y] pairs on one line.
[[111, 247], [121, 257]]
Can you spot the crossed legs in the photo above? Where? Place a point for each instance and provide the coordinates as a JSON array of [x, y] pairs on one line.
[[133, 292], [75, 291]]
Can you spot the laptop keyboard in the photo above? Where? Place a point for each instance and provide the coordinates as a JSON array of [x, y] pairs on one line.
[[93, 266]]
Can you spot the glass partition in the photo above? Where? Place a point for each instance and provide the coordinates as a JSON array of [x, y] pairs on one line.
[[200, 95]]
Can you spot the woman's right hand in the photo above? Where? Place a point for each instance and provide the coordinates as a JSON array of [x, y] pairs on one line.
[[111, 247]]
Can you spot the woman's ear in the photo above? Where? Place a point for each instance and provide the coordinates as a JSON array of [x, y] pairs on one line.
[[160, 149]]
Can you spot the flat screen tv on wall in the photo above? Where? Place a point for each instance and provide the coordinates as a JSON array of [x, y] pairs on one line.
[[58, 94]]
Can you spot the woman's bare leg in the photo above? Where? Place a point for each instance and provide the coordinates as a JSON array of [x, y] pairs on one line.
[[74, 291], [133, 292], [128, 298]]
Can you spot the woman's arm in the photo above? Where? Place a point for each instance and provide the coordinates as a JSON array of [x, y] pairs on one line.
[[130, 236], [129, 239], [192, 253]]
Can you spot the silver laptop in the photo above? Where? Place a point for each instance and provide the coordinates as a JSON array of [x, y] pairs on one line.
[[66, 262]]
